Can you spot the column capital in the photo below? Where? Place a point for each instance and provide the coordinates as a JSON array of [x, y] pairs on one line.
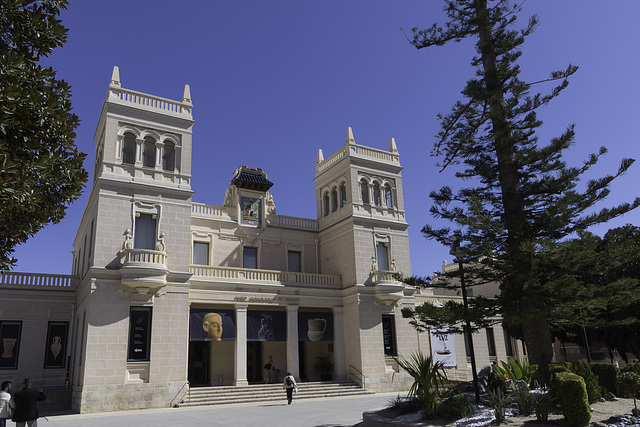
[[241, 307]]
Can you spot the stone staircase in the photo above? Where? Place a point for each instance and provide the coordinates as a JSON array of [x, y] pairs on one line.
[[225, 395]]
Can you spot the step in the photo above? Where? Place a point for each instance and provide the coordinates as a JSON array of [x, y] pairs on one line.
[[225, 395]]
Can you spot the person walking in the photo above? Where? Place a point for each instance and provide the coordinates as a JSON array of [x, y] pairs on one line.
[[270, 369], [289, 384], [6, 403], [26, 401]]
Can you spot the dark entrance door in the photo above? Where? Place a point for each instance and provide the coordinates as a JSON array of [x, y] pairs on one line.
[[199, 363], [254, 362], [302, 359]]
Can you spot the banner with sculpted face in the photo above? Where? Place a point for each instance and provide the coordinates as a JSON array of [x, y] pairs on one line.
[[212, 324], [443, 348]]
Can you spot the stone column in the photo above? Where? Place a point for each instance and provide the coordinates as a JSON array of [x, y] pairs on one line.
[[240, 367], [293, 362], [339, 356]]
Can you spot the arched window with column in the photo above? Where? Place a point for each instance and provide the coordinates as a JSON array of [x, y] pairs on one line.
[[343, 195], [364, 190], [377, 197], [129, 148], [169, 156], [326, 203], [149, 152], [388, 195], [334, 199]]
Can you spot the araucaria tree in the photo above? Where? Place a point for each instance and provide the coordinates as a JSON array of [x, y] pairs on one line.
[[40, 166], [523, 193]]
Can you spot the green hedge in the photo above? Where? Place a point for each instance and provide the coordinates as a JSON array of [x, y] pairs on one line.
[[590, 380], [631, 367], [607, 374], [573, 398]]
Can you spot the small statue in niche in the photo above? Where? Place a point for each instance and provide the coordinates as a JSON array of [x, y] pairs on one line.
[[128, 242], [394, 266], [374, 264], [271, 206], [160, 245]]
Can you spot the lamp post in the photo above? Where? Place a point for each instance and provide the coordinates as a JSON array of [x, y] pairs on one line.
[[457, 251]]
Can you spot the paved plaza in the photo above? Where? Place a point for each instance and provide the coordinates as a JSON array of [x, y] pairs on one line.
[[344, 411]]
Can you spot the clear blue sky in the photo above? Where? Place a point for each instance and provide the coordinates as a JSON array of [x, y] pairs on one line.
[[274, 81]]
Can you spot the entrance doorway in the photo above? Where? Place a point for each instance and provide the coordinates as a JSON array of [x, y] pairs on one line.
[[254, 362], [199, 363]]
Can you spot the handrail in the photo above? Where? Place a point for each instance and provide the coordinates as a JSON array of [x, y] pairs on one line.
[[188, 393], [252, 275], [363, 378]]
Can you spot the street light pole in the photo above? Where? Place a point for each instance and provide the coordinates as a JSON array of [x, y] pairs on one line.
[[456, 250]]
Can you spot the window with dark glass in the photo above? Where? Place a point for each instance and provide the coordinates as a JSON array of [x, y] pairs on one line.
[[293, 258], [377, 198], [129, 148], [139, 334], [467, 345], [200, 253], [334, 200], [364, 190], [250, 257], [326, 204], [389, 335], [491, 342], [388, 196], [508, 342], [149, 152], [343, 195], [382, 254], [145, 232], [169, 156]]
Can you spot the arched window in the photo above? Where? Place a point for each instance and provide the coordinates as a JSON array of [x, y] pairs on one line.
[[364, 190], [343, 195], [149, 152], [169, 156], [129, 149], [388, 194], [377, 199], [334, 200], [326, 203]]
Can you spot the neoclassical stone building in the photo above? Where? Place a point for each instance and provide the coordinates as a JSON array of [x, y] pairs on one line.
[[167, 293]]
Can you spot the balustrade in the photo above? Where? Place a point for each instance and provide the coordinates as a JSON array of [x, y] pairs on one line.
[[248, 275]]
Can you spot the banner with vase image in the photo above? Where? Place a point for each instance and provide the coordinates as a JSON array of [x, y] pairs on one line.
[[56, 347], [315, 326], [443, 348], [212, 324]]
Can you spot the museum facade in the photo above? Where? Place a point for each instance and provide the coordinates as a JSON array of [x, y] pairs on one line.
[[167, 293]]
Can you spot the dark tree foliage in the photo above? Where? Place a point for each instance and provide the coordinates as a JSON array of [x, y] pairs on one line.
[[41, 169], [523, 194]]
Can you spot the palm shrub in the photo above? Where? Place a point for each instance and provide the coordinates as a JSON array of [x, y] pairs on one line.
[[521, 393], [456, 407], [498, 401], [426, 373], [517, 370]]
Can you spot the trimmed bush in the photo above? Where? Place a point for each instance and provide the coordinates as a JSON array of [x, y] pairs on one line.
[[628, 384], [572, 394], [607, 374], [631, 367], [590, 380], [553, 369]]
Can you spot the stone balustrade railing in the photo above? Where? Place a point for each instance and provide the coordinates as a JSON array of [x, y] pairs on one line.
[[139, 99], [39, 280], [202, 210], [295, 222], [383, 276], [256, 276], [143, 256], [208, 211], [357, 151]]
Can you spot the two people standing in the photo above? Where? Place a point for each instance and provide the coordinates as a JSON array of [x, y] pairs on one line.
[[289, 384], [24, 404]]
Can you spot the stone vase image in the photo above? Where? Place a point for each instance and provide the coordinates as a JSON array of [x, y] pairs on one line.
[[56, 346], [316, 329]]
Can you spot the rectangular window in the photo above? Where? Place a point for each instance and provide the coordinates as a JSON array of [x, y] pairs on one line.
[[508, 343], [491, 343], [467, 345], [389, 335], [294, 261], [250, 257], [139, 334], [145, 232], [382, 254], [200, 253]]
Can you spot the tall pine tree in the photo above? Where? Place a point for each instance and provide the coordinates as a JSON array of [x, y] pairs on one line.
[[524, 194]]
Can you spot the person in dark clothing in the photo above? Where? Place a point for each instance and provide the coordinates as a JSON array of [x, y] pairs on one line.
[[26, 400], [289, 384]]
